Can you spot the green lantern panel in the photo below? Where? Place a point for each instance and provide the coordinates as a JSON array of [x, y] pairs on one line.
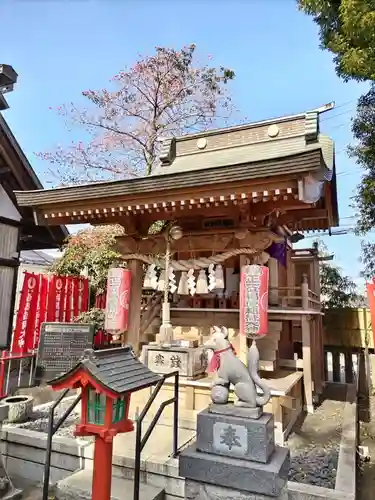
[[96, 408], [118, 410]]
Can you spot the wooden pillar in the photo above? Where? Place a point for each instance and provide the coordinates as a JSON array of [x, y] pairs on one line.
[[133, 333], [273, 297], [305, 292], [101, 483], [307, 368]]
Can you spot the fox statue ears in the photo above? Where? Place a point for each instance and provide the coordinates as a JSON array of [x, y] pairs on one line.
[[225, 332]]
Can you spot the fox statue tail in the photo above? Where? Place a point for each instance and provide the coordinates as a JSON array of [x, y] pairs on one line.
[[253, 364]]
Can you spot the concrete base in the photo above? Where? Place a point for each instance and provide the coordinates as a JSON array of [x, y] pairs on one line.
[[79, 485], [266, 479], [195, 490], [234, 436], [13, 494], [24, 453]]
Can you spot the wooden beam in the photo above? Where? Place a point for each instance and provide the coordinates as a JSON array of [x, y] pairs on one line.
[[307, 360], [168, 212], [199, 242], [282, 184], [132, 336], [9, 222]]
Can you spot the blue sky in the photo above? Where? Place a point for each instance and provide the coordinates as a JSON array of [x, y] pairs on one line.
[[60, 48]]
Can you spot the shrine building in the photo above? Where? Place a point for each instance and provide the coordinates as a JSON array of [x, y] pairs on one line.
[[236, 195]]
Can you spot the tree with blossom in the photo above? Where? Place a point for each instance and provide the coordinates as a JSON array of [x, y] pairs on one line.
[[92, 249], [162, 95]]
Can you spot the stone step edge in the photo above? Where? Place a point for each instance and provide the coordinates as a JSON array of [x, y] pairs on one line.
[[79, 485]]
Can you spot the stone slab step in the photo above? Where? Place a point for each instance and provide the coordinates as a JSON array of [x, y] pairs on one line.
[[78, 487]]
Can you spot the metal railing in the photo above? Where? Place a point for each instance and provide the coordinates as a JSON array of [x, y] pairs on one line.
[[52, 429], [22, 374], [140, 441]]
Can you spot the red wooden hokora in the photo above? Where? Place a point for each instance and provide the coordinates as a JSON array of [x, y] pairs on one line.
[[254, 301], [107, 379]]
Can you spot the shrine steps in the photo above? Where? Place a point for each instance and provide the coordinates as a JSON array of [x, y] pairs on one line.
[[78, 487]]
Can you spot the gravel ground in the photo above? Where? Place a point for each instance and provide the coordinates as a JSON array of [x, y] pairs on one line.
[[39, 420], [314, 446]]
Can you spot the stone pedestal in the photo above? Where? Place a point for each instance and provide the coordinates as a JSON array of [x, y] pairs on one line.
[[234, 457], [191, 362]]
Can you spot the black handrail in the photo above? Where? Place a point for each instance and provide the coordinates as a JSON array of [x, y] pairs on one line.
[[52, 429], [141, 442]]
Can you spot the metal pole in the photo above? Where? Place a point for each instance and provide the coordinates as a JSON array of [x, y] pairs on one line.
[[47, 464], [175, 414], [31, 370], [19, 372], [137, 462]]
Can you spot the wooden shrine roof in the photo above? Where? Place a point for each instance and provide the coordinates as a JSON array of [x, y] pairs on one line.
[[260, 162], [303, 163], [265, 140], [16, 174], [117, 370]]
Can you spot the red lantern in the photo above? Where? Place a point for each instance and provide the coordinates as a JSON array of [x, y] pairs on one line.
[[118, 298], [254, 300]]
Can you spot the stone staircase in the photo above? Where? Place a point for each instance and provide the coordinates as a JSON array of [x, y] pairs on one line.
[[78, 487]]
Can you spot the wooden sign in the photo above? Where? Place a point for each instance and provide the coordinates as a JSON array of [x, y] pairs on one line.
[[61, 346]]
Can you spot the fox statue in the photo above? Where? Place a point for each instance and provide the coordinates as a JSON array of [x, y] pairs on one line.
[[231, 370]]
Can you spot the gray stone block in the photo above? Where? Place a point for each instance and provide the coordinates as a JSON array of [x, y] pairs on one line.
[[236, 410], [238, 437], [253, 477], [202, 491]]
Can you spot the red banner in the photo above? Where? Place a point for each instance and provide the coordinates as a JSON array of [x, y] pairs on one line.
[[69, 284], [254, 300], [56, 299], [371, 302], [41, 311], [77, 289], [100, 301], [25, 322], [118, 297], [46, 298], [84, 302]]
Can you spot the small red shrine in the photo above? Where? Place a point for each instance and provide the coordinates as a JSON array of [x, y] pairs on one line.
[[107, 379]]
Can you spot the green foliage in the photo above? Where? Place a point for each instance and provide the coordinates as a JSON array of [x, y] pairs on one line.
[[368, 260], [346, 30], [92, 250], [363, 152], [94, 316], [337, 291]]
